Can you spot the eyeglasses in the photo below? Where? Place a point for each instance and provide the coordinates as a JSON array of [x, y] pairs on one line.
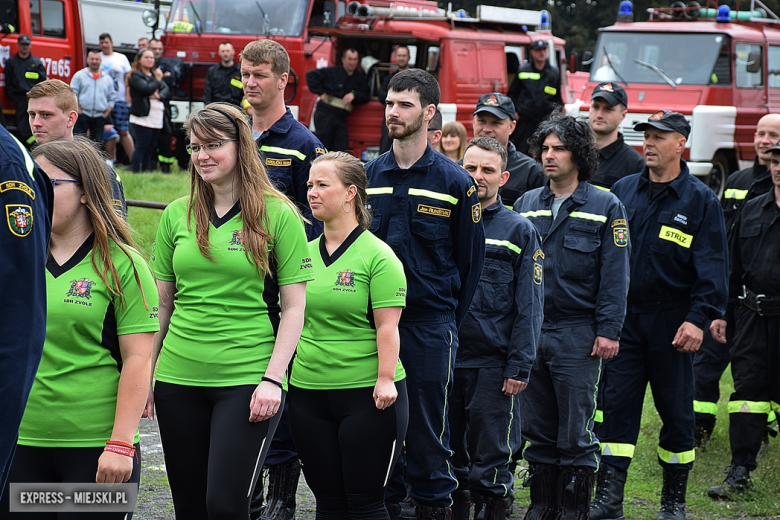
[[54, 182], [194, 149]]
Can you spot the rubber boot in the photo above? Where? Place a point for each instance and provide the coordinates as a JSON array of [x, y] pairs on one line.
[[461, 504], [257, 504], [400, 511], [432, 513], [673, 494], [737, 482], [575, 486], [608, 502], [542, 480], [283, 482], [491, 508]]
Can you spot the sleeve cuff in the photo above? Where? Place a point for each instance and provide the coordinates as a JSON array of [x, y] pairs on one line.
[[517, 373], [608, 331], [697, 319]]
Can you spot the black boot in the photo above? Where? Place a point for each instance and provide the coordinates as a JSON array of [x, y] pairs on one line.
[[543, 480], [400, 511], [673, 495], [461, 504], [608, 502], [282, 487], [432, 513], [257, 504], [490, 508], [575, 485], [737, 482]]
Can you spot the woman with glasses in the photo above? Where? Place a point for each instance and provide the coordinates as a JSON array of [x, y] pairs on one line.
[[81, 420], [228, 258], [348, 401], [147, 92]]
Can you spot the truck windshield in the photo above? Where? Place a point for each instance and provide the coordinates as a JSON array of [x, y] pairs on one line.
[[684, 59], [269, 17]]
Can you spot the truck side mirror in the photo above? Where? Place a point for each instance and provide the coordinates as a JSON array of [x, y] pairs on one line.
[[432, 63], [328, 14], [573, 62], [587, 58], [754, 62]]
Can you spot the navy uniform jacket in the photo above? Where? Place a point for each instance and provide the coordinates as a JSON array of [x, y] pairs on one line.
[[536, 93], [223, 84], [616, 160], [22, 74], [586, 251], [26, 199], [287, 150], [502, 326], [679, 247], [431, 217], [336, 82], [741, 187]]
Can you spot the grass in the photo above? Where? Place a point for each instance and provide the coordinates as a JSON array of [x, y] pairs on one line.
[[643, 488]]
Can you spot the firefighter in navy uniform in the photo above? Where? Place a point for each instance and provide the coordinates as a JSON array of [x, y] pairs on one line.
[[26, 197], [536, 92], [754, 299], [287, 149], [426, 208], [497, 344], [585, 247], [340, 88], [678, 283], [22, 72], [711, 360]]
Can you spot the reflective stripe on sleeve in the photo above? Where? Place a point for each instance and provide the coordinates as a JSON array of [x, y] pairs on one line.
[[529, 75], [749, 407], [503, 243], [28, 162], [684, 457], [705, 407], [379, 191], [615, 449], [537, 213], [735, 194], [433, 195], [283, 151], [599, 417], [602, 188], [588, 216]]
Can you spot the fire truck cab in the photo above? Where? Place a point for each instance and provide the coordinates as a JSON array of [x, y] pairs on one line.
[[469, 56], [720, 68]]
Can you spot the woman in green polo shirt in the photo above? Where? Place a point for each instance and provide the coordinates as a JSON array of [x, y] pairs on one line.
[[348, 402], [228, 259], [81, 420]]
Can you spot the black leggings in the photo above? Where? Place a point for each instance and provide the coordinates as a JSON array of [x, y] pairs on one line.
[[213, 454], [347, 447], [34, 464]]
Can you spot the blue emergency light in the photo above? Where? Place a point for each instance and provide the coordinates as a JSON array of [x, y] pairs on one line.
[[626, 11], [545, 25], [724, 14]]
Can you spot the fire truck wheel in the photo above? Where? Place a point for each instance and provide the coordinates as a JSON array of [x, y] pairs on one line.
[[717, 176]]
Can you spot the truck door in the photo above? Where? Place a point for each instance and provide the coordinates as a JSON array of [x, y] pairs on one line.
[[773, 77], [750, 93]]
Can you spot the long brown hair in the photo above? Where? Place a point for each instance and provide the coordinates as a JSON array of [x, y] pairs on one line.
[[216, 122], [81, 160], [457, 129], [137, 65]]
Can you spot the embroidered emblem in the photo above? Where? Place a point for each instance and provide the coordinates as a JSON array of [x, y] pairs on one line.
[[476, 213], [607, 87], [320, 151], [237, 239], [17, 185], [657, 116], [681, 219], [538, 254], [345, 279], [81, 288], [620, 236], [19, 218], [492, 101], [538, 274], [432, 210], [471, 190]]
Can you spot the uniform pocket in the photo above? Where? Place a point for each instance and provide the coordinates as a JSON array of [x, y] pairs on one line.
[[579, 256], [497, 288], [430, 244]]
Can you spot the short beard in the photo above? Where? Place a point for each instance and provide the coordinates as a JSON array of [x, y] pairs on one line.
[[405, 131]]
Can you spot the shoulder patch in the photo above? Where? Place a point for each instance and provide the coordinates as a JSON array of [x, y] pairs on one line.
[[17, 185], [619, 222], [538, 274], [620, 236], [19, 218], [476, 212], [320, 151], [471, 190], [538, 254]]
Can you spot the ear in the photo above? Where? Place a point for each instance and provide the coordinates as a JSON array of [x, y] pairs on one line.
[[504, 178], [281, 83], [351, 193], [681, 145], [73, 116], [430, 111], [512, 126]]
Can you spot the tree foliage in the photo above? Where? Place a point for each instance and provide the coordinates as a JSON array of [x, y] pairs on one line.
[[578, 21]]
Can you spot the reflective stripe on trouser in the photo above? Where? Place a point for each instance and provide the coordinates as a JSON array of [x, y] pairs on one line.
[[755, 363], [615, 449], [647, 356], [481, 421], [703, 407], [709, 363], [684, 457], [565, 378], [428, 355]]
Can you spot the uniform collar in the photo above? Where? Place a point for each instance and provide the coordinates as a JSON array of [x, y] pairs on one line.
[[676, 185], [760, 172], [282, 125], [611, 149], [769, 198], [579, 196], [494, 208], [423, 163]]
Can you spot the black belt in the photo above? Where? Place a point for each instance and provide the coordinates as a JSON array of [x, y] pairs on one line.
[[759, 303]]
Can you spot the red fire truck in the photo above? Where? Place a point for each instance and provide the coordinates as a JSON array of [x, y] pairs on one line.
[[720, 68]]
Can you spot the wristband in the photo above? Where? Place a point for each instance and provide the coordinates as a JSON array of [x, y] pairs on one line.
[[122, 448], [272, 381]]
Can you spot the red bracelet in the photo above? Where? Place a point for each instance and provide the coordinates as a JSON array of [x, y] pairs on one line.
[[122, 448]]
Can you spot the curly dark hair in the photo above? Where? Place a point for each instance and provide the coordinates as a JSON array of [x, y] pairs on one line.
[[575, 136]]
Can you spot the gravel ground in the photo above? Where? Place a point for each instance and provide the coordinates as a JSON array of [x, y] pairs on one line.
[[154, 502]]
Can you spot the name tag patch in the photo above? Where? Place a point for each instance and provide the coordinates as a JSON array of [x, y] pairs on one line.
[[432, 210], [681, 219], [676, 236], [17, 185], [278, 162]]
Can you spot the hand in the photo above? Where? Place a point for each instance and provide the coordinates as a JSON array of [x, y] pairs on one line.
[[348, 98], [156, 95], [158, 74], [265, 402], [718, 331], [513, 386], [688, 338], [324, 97], [105, 114], [149, 408], [113, 468], [605, 348], [166, 73], [385, 393]]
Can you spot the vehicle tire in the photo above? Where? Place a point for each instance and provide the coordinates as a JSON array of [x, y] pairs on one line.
[[716, 179]]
